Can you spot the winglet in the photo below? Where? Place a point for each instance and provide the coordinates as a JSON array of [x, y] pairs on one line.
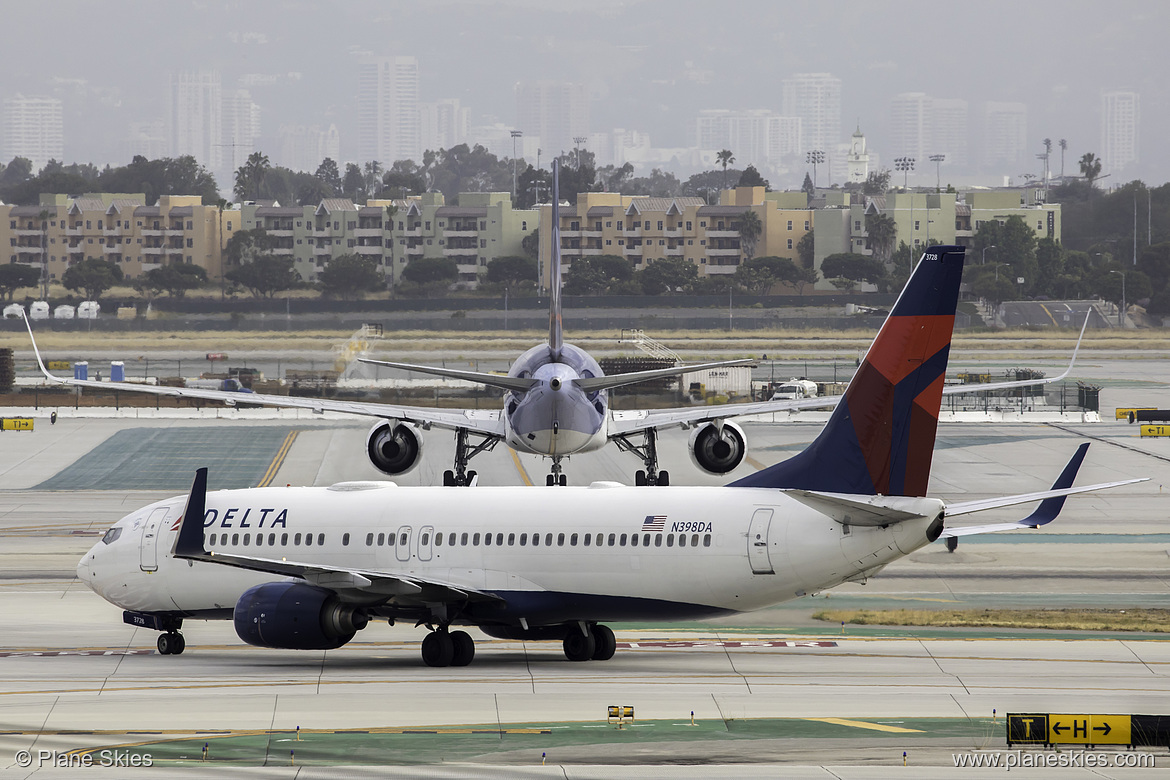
[[189, 542], [36, 351], [1050, 507]]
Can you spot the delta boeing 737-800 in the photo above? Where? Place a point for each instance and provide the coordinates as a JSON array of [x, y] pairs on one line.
[[309, 567]]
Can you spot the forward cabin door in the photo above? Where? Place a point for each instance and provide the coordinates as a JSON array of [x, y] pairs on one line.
[[758, 556], [402, 548], [148, 546]]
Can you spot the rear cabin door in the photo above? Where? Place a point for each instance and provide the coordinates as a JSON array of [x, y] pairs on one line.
[[148, 547], [402, 548], [757, 541]]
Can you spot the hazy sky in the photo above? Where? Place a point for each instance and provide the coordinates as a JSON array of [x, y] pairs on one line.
[[650, 65]]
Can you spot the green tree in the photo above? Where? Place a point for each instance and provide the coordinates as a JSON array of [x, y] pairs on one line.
[[752, 178], [351, 276], [597, 275], [659, 184], [1090, 167], [614, 179], [1154, 262], [530, 245], [353, 186], [330, 176], [245, 246], [1107, 284], [750, 228], [175, 279], [424, 276], [883, 233], [806, 250], [807, 187], [93, 276], [994, 289], [724, 158], [1015, 244], [250, 176], [760, 274], [846, 269], [404, 178], [372, 177], [512, 271], [803, 277], [533, 187], [13, 276], [876, 183], [265, 275], [669, 275]]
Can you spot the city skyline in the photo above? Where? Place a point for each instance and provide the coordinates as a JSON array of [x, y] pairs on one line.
[[990, 109]]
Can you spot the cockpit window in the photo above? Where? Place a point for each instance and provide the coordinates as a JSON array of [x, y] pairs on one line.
[[112, 535]]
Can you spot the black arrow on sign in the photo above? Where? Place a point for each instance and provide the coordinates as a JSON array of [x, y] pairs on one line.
[[1057, 728], [1103, 729]]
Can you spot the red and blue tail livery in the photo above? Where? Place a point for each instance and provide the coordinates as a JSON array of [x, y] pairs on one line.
[[880, 438]]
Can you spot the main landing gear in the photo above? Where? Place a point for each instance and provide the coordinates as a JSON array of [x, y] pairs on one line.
[[590, 642], [556, 477], [464, 452], [648, 452], [171, 643], [448, 648]]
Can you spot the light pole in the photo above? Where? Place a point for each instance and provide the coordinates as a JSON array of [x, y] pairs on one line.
[[1121, 311], [515, 134], [905, 165], [814, 158], [579, 139], [984, 261], [937, 159]]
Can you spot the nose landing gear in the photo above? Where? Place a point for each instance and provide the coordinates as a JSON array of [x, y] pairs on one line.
[[556, 477]]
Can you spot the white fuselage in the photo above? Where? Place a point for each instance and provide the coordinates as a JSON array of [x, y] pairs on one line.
[[741, 548]]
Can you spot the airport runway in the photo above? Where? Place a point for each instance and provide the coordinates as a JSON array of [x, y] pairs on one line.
[[760, 685]]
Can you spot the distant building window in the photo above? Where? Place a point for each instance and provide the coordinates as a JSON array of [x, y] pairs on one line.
[[619, 227], [523, 225], [229, 227], [428, 227], [660, 224], [482, 243], [790, 243], [806, 224], [482, 225]]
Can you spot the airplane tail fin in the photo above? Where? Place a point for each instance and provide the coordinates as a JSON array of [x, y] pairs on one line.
[[555, 337], [880, 438]]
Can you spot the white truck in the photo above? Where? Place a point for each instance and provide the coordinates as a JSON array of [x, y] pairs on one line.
[[794, 390]]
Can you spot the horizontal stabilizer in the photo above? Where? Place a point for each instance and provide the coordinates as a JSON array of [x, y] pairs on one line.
[[967, 507], [480, 377], [594, 383], [850, 509]]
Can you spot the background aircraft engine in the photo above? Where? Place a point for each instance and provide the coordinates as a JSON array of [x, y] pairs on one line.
[[296, 616], [394, 449], [718, 454]]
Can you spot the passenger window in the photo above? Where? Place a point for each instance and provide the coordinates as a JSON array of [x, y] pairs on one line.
[[451, 540], [694, 540], [438, 540], [523, 539], [535, 540], [499, 539], [297, 539], [320, 539], [463, 539], [369, 539], [622, 540], [345, 540], [611, 540], [402, 539], [646, 540], [210, 542], [308, 540], [560, 540], [284, 540], [487, 540], [706, 540], [511, 539], [670, 540], [633, 540], [381, 539], [657, 540], [548, 540], [271, 540], [573, 540], [585, 541], [424, 539], [475, 540], [235, 538]]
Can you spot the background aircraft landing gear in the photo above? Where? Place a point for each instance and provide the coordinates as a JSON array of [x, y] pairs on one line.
[[556, 477], [598, 645], [443, 648], [605, 643], [464, 452], [171, 643], [648, 452]]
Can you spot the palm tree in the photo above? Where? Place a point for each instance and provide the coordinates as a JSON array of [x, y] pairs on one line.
[[724, 158], [1063, 147], [250, 175], [750, 228], [373, 177], [883, 232], [1090, 167]]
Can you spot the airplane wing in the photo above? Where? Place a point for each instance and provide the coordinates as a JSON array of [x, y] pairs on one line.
[[189, 546], [593, 383], [488, 422], [491, 380]]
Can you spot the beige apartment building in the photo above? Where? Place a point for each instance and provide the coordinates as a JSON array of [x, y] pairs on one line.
[[118, 227], [644, 229]]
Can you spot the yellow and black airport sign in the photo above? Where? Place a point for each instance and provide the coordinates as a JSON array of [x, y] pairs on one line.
[[1155, 430], [1129, 412], [1068, 729], [16, 424]]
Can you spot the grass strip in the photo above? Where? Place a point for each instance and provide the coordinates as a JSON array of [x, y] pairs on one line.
[[1147, 620]]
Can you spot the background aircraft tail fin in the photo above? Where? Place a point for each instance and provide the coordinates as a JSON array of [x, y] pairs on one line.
[[555, 337], [880, 438]]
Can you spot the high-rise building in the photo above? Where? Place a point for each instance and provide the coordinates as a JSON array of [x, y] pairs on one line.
[[911, 125], [1005, 136], [388, 110], [555, 112], [950, 131], [816, 99], [33, 128], [1120, 122], [302, 148], [443, 124], [195, 117], [757, 137], [241, 129]]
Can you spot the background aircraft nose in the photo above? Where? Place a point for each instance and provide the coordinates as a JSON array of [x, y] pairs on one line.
[[84, 573]]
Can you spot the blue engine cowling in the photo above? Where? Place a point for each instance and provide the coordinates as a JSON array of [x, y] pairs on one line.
[[295, 616]]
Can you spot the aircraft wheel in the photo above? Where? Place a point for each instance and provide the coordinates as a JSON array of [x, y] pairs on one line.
[[169, 643], [438, 649], [640, 478], [448, 478], [548, 481], [471, 475], [578, 646], [564, 480], [664, 478], [178, 644], [464, 648], [605, 643]]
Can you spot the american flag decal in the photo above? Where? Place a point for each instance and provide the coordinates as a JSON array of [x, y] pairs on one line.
[[654, 523]]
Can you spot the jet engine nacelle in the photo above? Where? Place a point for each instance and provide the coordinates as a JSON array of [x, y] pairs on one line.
[[296, 616], [715, 453], [394, 448]]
